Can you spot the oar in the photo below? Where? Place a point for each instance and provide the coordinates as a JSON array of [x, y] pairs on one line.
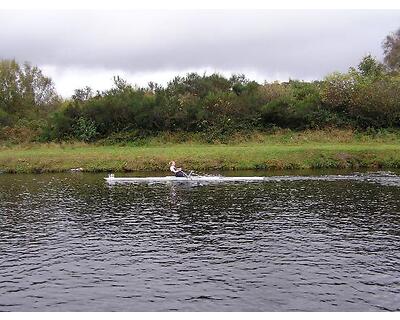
[[187, 176]]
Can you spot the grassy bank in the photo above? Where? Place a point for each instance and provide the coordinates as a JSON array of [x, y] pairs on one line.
[[302, 151]]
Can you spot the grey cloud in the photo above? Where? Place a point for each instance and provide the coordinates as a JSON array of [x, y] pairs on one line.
[[303, 44]]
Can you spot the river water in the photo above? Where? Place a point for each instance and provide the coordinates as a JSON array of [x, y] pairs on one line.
[[70, 242]]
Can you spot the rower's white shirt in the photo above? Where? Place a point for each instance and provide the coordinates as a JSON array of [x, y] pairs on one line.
[[173, 169]]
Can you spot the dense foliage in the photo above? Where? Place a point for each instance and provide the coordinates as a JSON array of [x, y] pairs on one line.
[[24, 92], [214, 106], [27, 97]]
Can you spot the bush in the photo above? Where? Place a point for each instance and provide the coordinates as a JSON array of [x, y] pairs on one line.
[[5, 118], [367, 97], [376, 103], [298, 108], [85, 129]]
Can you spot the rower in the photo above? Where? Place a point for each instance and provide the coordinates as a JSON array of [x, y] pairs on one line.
[[177, 171]]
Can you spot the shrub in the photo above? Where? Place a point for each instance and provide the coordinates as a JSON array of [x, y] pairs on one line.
[[85, 129]]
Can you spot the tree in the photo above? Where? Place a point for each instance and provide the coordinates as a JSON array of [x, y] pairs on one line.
[[337, 90], [81, 95], [370, 67], [391, 49], [24, 90]]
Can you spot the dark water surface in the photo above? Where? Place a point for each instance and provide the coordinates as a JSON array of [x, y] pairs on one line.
[[70, 242]]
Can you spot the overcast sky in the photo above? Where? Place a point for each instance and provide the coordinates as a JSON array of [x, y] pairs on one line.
[[78, 48]]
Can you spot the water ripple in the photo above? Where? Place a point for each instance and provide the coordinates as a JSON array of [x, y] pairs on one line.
[[290, 243]]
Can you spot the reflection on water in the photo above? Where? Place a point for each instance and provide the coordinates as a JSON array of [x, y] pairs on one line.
[[71, 242]]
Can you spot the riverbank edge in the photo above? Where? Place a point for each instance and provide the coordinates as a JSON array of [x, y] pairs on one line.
[[91, 158]]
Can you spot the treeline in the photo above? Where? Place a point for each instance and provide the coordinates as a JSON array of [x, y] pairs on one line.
[[216, 106], [367, 96]]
